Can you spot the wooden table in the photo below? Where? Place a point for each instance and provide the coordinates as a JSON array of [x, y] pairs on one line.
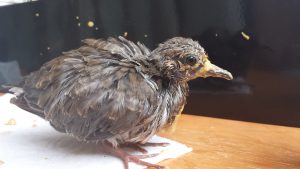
[[227, 144]]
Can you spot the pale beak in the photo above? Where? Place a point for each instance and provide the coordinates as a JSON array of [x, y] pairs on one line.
[[211, 70]]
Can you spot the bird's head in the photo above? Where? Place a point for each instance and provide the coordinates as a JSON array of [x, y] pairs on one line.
[[184, 59]]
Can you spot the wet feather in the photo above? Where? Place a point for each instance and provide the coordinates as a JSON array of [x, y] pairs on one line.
[[111, 90]]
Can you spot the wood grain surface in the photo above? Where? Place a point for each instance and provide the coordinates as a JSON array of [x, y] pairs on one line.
[[227, 144]]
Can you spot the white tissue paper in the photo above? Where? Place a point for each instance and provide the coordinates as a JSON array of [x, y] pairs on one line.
[[27, 141]]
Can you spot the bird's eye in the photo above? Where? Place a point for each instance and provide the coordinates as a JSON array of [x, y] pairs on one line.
[[191, 60]]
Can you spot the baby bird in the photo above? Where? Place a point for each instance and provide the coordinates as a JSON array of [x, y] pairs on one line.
[[115, 92]]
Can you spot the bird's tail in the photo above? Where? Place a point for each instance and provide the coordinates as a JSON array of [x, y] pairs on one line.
[[13, 89]]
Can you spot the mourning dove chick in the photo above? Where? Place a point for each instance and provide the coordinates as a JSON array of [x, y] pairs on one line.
[[115, 92]]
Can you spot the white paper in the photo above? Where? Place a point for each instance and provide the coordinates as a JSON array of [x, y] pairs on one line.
[[32, 143]]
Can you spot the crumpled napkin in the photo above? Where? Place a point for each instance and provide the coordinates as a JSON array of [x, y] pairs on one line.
[[27, 141]]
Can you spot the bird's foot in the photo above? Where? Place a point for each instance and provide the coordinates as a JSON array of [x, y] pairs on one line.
[[126, 158], [137, 159], [138, 146]]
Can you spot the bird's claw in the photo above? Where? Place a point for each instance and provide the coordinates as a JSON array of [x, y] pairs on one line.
[[126, 158], [137, 159]]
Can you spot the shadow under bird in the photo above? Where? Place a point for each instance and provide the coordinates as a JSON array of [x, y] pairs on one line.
[[115, 92]]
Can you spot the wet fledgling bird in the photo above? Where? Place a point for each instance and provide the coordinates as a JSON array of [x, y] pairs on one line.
[[115, 92]]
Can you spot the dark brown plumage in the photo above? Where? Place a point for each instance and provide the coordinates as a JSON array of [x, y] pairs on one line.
[[115, 92]]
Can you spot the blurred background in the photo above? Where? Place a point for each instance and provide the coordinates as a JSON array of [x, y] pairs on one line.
[[258, 41]]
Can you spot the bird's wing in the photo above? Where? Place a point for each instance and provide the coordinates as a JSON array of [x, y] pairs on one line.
[[91, 93]]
